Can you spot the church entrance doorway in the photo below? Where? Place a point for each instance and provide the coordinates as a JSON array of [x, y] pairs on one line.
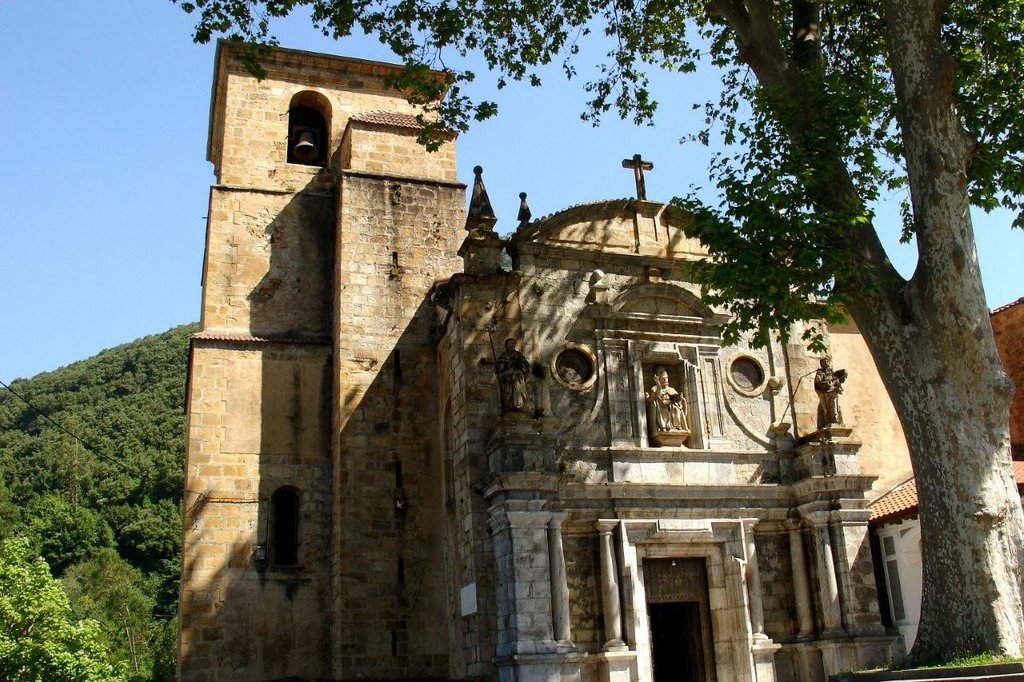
[[680, 620], [677, 650]]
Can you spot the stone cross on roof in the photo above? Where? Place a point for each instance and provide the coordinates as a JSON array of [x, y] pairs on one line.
[[639, 166]]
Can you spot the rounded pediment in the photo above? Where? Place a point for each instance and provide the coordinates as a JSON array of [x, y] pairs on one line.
[[616, 226], [661, 300]]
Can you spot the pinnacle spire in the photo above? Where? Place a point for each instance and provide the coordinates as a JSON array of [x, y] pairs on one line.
[[524, 209], [481, 215]]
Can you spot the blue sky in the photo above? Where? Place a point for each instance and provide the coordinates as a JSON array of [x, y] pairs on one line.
[[104, 178]]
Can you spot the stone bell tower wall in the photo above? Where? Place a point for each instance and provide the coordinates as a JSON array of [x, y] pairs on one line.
[[249, 116], [313, 348], [271, 222], [396, 236]]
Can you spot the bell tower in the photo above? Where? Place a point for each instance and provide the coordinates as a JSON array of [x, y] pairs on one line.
[[310, 465]]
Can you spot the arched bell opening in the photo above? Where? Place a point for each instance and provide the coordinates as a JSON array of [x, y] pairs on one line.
[[308, 129]]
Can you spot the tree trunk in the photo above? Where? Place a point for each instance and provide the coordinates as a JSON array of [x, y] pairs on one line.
[[932, 341], [938, 360], [931, 337]]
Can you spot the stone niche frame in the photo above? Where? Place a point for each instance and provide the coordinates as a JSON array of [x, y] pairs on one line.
[[679, 371], [661, 323], [694, 369], [742, 651]]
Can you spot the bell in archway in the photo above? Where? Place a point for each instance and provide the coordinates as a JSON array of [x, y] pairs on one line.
[[305, 150]]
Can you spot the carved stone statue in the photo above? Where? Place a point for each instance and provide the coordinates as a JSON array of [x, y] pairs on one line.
[[666, 411], [513, 369], [828, 384]]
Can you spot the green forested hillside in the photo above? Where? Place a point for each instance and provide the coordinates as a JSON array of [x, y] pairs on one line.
[[91, 466]]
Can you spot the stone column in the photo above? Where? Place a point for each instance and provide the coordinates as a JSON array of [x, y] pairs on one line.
[[828, 587], [610, 600], [559, 584], [842, 566], [523, 585], [801, 589], [856, 581], [623, 412], [753, 576]]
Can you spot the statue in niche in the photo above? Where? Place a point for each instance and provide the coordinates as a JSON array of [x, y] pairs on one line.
[[828, 384], [513, 369], [666, 411]]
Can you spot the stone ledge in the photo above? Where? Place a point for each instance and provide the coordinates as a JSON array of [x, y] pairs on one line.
[[998, 671]]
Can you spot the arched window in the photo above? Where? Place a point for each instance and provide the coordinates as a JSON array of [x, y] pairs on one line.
[[284, 519], [308, 129]]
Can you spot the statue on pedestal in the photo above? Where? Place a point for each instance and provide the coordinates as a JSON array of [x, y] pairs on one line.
[[513, 368], [828, 384], [666, 411]]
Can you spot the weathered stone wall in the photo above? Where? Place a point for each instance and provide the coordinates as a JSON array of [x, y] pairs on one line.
[[390, 592], [268, 263], [868, 410], [581, 563], [258, 418], [470, 386], [394, 150], [773, 557]]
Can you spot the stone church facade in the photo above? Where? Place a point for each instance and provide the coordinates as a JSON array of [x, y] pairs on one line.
[[408, 459]]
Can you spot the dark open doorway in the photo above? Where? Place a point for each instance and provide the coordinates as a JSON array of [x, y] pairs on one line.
[[677, 648], [679, 615]]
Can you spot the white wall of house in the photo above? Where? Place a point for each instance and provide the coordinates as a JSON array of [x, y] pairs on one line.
[[901, 557]]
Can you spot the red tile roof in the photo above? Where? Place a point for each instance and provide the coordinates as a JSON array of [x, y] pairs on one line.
[[1009, 305], [898, 503], [388, 118], [236, 337], [901, 502]]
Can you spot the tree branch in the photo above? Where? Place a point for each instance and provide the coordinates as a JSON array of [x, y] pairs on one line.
[[806, 33]]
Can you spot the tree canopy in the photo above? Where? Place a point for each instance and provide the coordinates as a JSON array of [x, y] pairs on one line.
[[39, 640], [91, 476], [820, 96]]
